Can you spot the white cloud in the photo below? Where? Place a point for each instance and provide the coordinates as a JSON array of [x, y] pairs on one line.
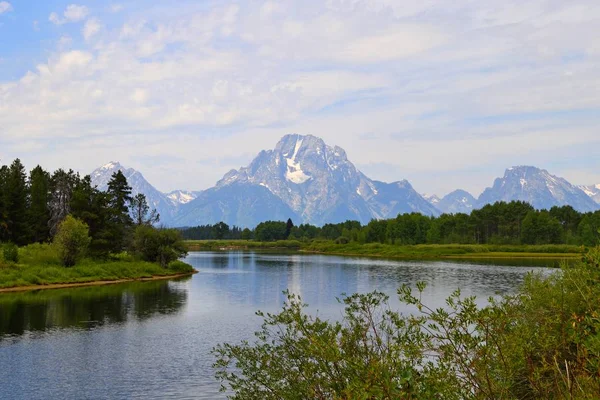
[[73, 13], [401, 42], [5, 7], [472, 85], [92, 27]]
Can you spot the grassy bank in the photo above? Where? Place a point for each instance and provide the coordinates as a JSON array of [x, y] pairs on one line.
[[432, 251], [39, 266]]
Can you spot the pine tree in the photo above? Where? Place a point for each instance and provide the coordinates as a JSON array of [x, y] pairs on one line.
[[39, 212], [3, 211], [90, 205], [85, 205], [288, 228], [119, 220], [16, 203]]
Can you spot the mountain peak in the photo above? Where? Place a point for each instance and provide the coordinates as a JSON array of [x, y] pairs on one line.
[[458, 201], [110, 166], [537, 187], [321, 185]]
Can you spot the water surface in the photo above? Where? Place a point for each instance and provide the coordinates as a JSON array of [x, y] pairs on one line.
[[152, 340]]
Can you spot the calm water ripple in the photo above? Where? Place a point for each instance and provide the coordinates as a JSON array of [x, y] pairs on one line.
[[152, 340]]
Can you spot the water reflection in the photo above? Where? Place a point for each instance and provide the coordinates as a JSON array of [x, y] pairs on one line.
[[260, 278], [87, 307]]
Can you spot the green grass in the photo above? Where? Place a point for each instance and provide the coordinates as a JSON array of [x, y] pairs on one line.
[[39, 265], [397, 251]]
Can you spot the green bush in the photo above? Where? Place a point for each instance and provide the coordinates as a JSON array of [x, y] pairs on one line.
[[158, 245], [542, 343], [71, 240], [10, 253], [180, 267]]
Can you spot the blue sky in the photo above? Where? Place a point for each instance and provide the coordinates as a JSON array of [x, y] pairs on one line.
[[444, 94]]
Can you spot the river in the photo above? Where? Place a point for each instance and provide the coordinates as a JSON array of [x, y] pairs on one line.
[[153, 340]]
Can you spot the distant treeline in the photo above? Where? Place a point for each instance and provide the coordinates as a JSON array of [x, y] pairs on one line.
[[500, 223]]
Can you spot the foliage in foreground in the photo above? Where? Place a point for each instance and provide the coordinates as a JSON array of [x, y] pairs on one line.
[[542, 343]]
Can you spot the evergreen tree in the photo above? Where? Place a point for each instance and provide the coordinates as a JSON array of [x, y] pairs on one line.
[[39, 212], [16, 196], [3, 211], [119, 221], [288, 228], [91, 206]]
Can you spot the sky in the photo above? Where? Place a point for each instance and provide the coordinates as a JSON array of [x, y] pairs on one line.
[[446, 94]]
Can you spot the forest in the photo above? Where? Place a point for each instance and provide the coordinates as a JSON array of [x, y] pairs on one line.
[[62, 220], [514, 223]]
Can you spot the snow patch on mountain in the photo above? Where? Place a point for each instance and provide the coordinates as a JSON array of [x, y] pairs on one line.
[[593, 191], [294, 170], [181, 196]]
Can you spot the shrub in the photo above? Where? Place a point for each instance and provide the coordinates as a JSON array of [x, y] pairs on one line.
[[542, 343], [71, 240], [10, 252], [180, 266], [158, 245]]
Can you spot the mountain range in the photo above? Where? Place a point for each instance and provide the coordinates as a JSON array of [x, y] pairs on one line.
[[306, 180]]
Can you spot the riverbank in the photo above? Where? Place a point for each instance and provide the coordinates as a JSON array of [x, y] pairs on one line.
[[93, 283], [409, 252], [38, 268]]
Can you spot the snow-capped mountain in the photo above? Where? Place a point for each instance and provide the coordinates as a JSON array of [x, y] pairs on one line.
[[459, 201], [311, 182], [537, 187], [593, 191], [182, 196], [166, 207], [431, 198], [320, 185]]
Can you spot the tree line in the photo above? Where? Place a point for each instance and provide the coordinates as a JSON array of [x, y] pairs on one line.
[[35, 206], [511, 223]]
